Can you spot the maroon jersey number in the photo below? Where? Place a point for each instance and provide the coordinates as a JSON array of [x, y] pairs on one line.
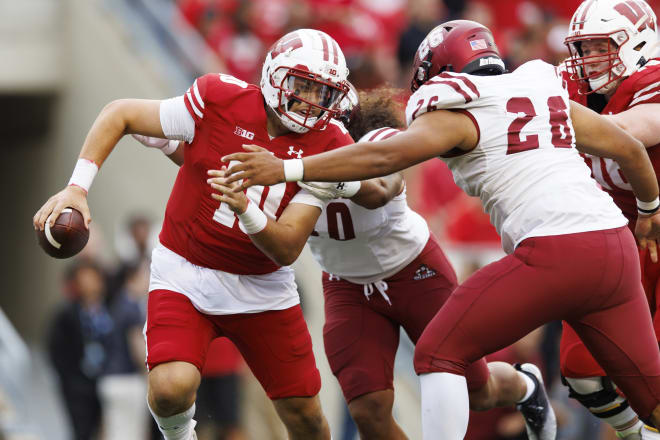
[[339, 212], [516, 143], [561, 133]]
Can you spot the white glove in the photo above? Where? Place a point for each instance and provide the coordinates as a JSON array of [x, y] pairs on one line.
[[165, 145], [331, 190]]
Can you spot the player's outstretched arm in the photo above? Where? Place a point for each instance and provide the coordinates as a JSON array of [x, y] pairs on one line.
[[115, 120], [282, 240], [596, 135], [430, 135], [641, 122]]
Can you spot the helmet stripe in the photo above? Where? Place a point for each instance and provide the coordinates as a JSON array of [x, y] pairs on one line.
[[335, 51], [326, 54], [585, 12]]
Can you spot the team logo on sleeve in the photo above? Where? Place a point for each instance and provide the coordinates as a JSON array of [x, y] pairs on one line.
[[292, 151]]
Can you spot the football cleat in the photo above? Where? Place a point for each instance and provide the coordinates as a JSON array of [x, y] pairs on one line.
[[540, 419], [649, 433]]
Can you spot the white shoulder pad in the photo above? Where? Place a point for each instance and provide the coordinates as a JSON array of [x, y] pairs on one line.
[[444, 91]]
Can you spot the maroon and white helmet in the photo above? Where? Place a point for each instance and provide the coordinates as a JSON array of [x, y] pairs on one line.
[[311, 60], [456, 46], [629, 26]]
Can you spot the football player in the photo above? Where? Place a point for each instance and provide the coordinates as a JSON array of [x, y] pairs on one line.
[[612, 70], [208, 278], [511, 140]]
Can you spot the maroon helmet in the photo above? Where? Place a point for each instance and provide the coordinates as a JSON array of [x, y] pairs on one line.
[[456, 46]]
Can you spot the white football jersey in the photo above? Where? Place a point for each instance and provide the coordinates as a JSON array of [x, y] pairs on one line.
[[525, 168], [367, 245]]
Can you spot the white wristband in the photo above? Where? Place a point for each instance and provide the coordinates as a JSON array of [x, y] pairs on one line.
[[350, 188], [253, 220], [293, 170], [648, 207], [84, 173]]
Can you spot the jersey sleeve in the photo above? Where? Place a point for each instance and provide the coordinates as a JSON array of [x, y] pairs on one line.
[[180, 116], [197, 96], [175, 120], [443, 91], [307, 198], [646, 88]]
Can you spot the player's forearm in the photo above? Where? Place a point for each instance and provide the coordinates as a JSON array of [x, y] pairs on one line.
[[364, 160], [637, 168], [642, 122], [118, 118], [107, 130], [375, 193], [281, 243]]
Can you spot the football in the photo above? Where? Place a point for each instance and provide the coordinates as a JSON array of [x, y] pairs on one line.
[[66, 237]]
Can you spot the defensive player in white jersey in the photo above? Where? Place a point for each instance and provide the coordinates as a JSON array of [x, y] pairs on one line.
[[211, 275], [612, 70], [511, 140]]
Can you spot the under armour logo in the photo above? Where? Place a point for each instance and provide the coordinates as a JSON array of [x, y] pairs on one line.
[[292, 151], [333, 277], [341, 185]]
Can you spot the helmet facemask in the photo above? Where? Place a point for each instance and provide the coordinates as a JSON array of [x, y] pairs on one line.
[[599, 72], [306, 100]]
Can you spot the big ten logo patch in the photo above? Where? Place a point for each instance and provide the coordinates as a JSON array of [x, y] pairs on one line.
[[243, 133]]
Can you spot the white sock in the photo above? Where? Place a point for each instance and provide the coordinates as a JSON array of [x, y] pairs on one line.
[[531, 386], [177, 427], [445, 406], [650, 433]]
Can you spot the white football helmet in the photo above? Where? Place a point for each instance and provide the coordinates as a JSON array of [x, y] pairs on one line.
[[307, 67], [629, 26]]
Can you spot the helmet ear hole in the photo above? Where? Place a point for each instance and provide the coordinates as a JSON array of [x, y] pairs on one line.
[[639, 46]]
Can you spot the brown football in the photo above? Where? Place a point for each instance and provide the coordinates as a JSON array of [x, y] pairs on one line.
[[66, 237]]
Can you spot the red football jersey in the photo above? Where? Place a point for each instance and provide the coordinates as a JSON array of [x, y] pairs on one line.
[[228, 113], [642, 87]]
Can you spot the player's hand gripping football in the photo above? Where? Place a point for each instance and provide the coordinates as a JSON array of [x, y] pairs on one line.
[[647, 231], [258, 167], [70, 197], [237, 201]]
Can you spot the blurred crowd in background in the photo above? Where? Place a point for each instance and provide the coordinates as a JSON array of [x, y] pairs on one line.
[[96, 344]]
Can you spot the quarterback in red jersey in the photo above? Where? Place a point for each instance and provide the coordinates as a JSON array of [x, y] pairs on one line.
[[211, 275], [611, 71]]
